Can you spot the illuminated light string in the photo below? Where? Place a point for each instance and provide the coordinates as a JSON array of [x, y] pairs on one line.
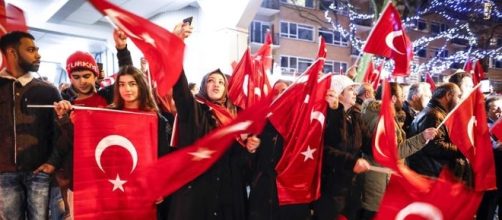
[[436, 64]]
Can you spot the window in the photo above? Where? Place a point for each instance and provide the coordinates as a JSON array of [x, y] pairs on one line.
[[297, 31], [444, 27], [334, 37], [294, 65], [327, 35], [336, 67], [420, 25], [303, 3], [435, 28], [422, 53], [497, 64], [439, 53], [258, 31]]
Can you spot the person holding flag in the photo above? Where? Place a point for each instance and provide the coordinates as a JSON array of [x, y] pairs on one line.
[[219, 193], [342, 159], [375, 183], [440, 151]]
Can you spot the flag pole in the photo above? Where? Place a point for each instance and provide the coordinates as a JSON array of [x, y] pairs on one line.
[[76, 107]]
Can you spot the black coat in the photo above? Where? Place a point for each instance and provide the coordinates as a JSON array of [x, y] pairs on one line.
[[219, 193], [440, 151]]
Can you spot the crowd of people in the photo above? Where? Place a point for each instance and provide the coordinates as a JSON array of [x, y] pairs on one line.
[[36, 159]]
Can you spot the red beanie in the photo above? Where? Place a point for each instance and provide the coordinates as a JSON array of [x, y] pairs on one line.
[[81, 60]]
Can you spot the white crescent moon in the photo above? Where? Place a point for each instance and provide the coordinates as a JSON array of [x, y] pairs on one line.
[[425, 210], [389, 40], [379, 132], [317, 115], [115, 140], [245, 84], [470, 129]]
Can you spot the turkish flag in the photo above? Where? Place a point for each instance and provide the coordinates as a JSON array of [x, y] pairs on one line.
[[11, 19], [299, 116], [477, 72], [388, 39], [445, 199], [322, 52], [163, 50], [244, 90], [468, 130], [430, 81], [107, 156], [384, 140], [264, 55], [369, 75], [178, 168]]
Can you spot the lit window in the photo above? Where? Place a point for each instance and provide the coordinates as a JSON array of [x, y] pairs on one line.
[[303, 3]]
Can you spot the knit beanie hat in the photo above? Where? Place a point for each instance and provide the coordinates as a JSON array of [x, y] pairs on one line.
[[81, 60]]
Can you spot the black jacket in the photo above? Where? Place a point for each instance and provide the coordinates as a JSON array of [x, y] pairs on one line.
[[27, 135], [219, 193], [440, 151]]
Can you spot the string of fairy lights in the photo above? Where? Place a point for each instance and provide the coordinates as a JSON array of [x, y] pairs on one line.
[[459, 31]]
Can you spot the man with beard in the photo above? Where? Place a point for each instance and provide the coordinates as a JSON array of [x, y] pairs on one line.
[[27, 153], [418, 97], [439, 152]]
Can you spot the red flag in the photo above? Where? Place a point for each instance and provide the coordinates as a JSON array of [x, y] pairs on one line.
[[384, 140], [263, 65], [430, 81], [496, 129], [468, 130], [243, 82], [264, 54], [162, 49], [323, 52], [11, 19], [477, 72], [376, 79], [369, 75], [107, 155], [388, 38], [176, 169], [299, 116], [446, 199]]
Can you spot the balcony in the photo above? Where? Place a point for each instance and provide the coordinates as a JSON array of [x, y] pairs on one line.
[[271, 4], [459, 42], [259, 40], [269, 8]]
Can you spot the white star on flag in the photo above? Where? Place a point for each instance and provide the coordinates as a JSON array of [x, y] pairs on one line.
[[309, 153], [201, 153], [149, 39], [118, 183]]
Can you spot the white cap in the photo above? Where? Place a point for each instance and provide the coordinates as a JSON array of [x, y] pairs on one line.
[[340, 82]]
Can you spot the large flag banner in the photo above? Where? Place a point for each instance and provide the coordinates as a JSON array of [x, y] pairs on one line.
[[468, 130], [107, 156], [163, 50], [446, 199], [388, 39], [299, 114]]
